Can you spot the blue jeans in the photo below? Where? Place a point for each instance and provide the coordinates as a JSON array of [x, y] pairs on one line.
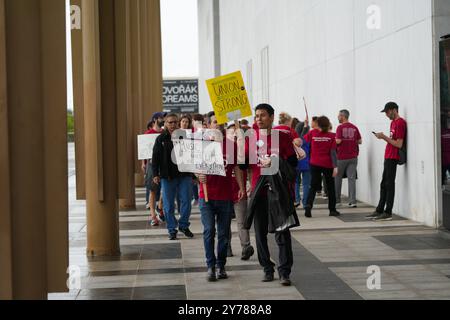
[[220, 210], [305, 178], [170, 187]]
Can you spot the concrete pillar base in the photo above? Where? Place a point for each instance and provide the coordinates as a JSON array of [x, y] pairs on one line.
[[101, 252], [139, 180], [127, 204]]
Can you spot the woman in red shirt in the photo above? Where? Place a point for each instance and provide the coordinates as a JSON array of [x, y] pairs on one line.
[[323, 162]]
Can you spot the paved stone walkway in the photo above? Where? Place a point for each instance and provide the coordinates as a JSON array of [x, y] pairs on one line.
[[332, 256]]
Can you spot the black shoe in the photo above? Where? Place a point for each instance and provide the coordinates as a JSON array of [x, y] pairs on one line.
[[211, 275], [187, 233], [268, 277], [229, 252], [173, 236], [160, 214], [383, 217], [373, 215], [308, 213], [285, 282], [247, 253], [335, 213], [222, 274]]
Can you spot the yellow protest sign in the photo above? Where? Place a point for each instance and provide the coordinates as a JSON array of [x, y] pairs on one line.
[[229, 97]]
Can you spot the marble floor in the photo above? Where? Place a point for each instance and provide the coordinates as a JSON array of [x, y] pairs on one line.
[[332, 258]]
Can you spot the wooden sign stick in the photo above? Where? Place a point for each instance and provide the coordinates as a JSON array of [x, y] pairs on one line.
[[306, 109]]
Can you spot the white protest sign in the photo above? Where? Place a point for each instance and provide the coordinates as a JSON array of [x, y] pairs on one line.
[[146, 143], [199, 157]]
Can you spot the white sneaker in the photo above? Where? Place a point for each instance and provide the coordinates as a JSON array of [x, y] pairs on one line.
[[353, 205], [194, 203], [147, 206]]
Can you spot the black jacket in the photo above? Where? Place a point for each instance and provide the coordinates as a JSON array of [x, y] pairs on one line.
[[162, 163], [282, 213]]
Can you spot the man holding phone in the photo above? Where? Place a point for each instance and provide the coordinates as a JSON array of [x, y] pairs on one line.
[[392, 157]]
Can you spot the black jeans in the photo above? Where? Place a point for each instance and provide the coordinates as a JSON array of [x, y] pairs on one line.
[[445, 169], [283, 240], [316, 180], [387, 188]]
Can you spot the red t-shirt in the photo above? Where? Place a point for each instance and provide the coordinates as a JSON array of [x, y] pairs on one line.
[[398, 132], [350, 135], [285, 151], [286, 129], [220, 188], [321, 146], [445, 147], [152, 131]]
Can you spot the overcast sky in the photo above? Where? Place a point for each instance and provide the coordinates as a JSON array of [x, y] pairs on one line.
[[179, 38]]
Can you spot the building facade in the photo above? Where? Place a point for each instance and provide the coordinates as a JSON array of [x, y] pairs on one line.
[[353, 54]]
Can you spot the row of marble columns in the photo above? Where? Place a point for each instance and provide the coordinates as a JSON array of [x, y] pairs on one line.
[[117, 76]]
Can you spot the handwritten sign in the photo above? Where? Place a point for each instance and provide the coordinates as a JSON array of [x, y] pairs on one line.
[[229, 97], [199, 157], [146, 143]]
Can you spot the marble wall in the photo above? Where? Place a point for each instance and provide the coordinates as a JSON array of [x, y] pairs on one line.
[[357, 54]]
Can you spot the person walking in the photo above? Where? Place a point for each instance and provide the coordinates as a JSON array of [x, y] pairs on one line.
[[218, 210], [323, 162], [166, 173], [153, 191], [395, 142], [240, 204], [348, 140], [267, 155]]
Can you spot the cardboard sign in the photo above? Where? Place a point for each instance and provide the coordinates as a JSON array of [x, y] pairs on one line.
[[229, 97], [199, 157], [146, 143]]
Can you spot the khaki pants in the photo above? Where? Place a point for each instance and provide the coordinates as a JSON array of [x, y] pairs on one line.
[[240, 209]]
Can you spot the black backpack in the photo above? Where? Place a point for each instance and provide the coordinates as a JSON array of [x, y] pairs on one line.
[[403, 153]]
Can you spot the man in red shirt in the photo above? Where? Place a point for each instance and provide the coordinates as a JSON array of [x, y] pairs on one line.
[[219, 207], [348, 139], [265, 151], [395, 142], [285, 126]]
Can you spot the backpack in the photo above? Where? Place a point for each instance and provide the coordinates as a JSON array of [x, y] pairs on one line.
[[403, 153]]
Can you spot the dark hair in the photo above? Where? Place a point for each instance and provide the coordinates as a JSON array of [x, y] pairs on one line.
[[211, 114], [198, 117], [324, 124], [244, 122], [187, 116], [150, 125], [315, 119], [264, 106], [345, 113], [295, 122]]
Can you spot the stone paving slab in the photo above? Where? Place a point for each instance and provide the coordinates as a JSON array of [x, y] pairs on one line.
[[331, 260]]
